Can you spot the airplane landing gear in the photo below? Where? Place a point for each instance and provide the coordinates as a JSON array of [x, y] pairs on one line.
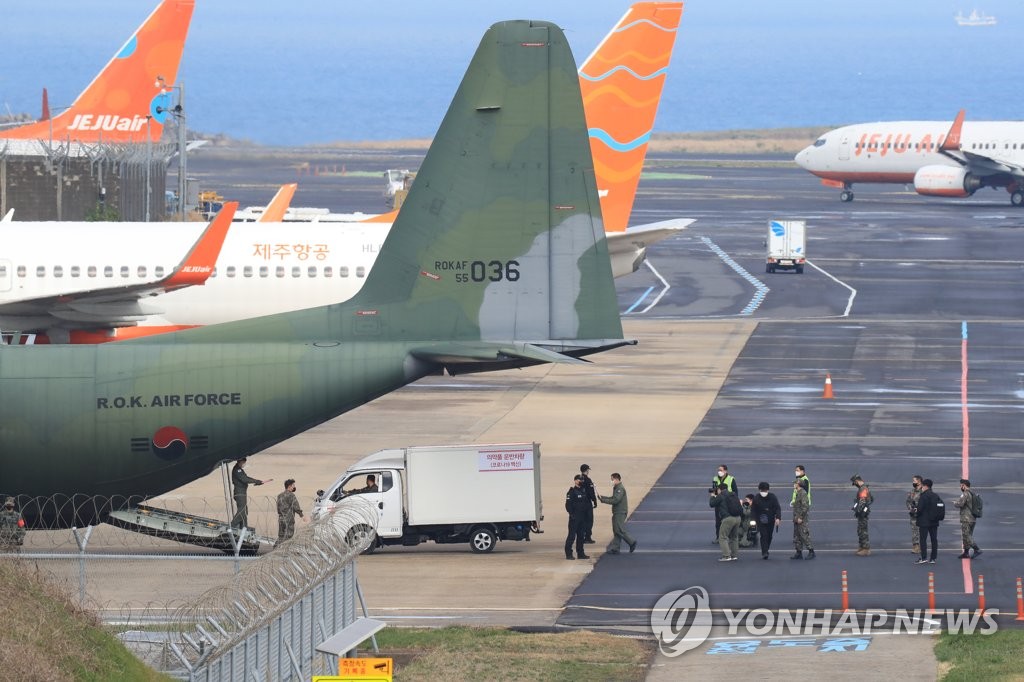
[[1017, 198], [846, 195]]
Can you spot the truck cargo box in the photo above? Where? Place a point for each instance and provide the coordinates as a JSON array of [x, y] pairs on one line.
[[492, 483]]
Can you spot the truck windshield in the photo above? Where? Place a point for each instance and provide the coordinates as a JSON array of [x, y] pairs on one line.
[[360, 485]]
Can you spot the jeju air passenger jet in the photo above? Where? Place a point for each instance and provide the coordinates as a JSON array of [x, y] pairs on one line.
[[939, 159], [51, 274], [131, 95]]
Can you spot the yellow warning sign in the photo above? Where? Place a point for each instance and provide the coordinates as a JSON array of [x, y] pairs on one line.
[[364, 669]]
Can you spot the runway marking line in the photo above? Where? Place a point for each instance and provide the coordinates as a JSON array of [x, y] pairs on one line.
[[966, 442]]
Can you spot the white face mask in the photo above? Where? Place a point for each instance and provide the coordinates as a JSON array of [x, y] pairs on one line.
[[763, 494], [721, 474], [797, 474]]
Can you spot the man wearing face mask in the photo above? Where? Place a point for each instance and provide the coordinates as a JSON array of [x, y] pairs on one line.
[[767, 512], [969, 505], [861, 510], [730, 482], [800, 474], [620, 509], [801, 521], [913, 497]]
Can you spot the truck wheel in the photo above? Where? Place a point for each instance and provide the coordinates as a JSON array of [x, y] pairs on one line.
[[482, 540], [357, 536]]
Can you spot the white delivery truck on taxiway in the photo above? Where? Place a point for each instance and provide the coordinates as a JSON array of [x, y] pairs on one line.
[[449, 494], [787, 245]]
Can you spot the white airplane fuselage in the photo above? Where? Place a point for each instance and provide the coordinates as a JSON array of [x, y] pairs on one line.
[[896, 152], [263, 268]]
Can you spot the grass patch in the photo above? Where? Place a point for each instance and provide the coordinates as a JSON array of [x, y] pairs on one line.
[[463, 653], [969, 658], [46, 636]]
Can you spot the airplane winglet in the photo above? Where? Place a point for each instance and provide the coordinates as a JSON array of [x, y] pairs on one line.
[[388, 217], [278, 206], [952, 141], [198, 265], [8, 217]]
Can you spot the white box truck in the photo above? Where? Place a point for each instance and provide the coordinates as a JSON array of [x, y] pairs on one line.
[[787, 245], [477, 494]]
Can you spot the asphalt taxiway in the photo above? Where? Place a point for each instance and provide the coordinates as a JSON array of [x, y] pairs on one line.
[[913, 305]]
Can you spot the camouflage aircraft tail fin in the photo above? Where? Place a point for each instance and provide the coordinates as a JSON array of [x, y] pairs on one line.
[[500, 238], [498, 257]]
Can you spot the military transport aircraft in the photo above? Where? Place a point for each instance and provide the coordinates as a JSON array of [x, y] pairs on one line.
[[497, 260]]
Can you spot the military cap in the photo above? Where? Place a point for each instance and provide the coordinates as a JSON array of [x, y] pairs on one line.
[[966, 482], [855, 478]]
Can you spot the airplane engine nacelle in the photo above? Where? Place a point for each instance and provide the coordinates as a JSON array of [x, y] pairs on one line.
[[945, 181]]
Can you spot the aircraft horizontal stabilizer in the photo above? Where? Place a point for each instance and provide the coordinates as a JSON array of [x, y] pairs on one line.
[[460, 357]]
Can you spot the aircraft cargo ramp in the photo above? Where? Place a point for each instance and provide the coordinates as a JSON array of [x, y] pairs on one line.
[[187, 528]]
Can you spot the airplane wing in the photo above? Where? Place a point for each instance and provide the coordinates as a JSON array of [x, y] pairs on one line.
[[975, 163], [980, 164], [9, 217], [628, 249], [110, 307]]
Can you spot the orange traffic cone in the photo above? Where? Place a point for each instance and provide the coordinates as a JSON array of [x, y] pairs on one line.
[[828, 387]]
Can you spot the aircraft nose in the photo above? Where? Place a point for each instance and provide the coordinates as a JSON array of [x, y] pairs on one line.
[[803, 158]]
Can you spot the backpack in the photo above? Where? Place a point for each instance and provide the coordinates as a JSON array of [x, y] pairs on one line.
[[940, 509], [976, 504], [732, 505]]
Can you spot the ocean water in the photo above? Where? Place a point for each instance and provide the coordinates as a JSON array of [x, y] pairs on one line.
[[313, 71]]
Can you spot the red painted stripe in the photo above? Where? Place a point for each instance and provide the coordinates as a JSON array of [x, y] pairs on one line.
[[965, 448]]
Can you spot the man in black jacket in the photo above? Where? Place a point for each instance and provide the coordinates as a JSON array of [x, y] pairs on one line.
[[767, 512], [928, 522], [591, 491], [577, 504]]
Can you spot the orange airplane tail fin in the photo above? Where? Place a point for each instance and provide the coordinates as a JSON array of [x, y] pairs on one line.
[[278, 206], [131, 95], [621, 84], [952, 141]]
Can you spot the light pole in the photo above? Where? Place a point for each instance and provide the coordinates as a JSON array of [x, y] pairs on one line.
[[149, 162], [178, 112]]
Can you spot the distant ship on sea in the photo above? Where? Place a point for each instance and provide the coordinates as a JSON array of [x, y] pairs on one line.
[[975, 18]]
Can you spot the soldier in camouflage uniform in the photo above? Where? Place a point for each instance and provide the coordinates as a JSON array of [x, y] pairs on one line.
[[861, 509], [12, 528], [912, 497], [240, 482], [801, 520], [287, 508], [967, 519]]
